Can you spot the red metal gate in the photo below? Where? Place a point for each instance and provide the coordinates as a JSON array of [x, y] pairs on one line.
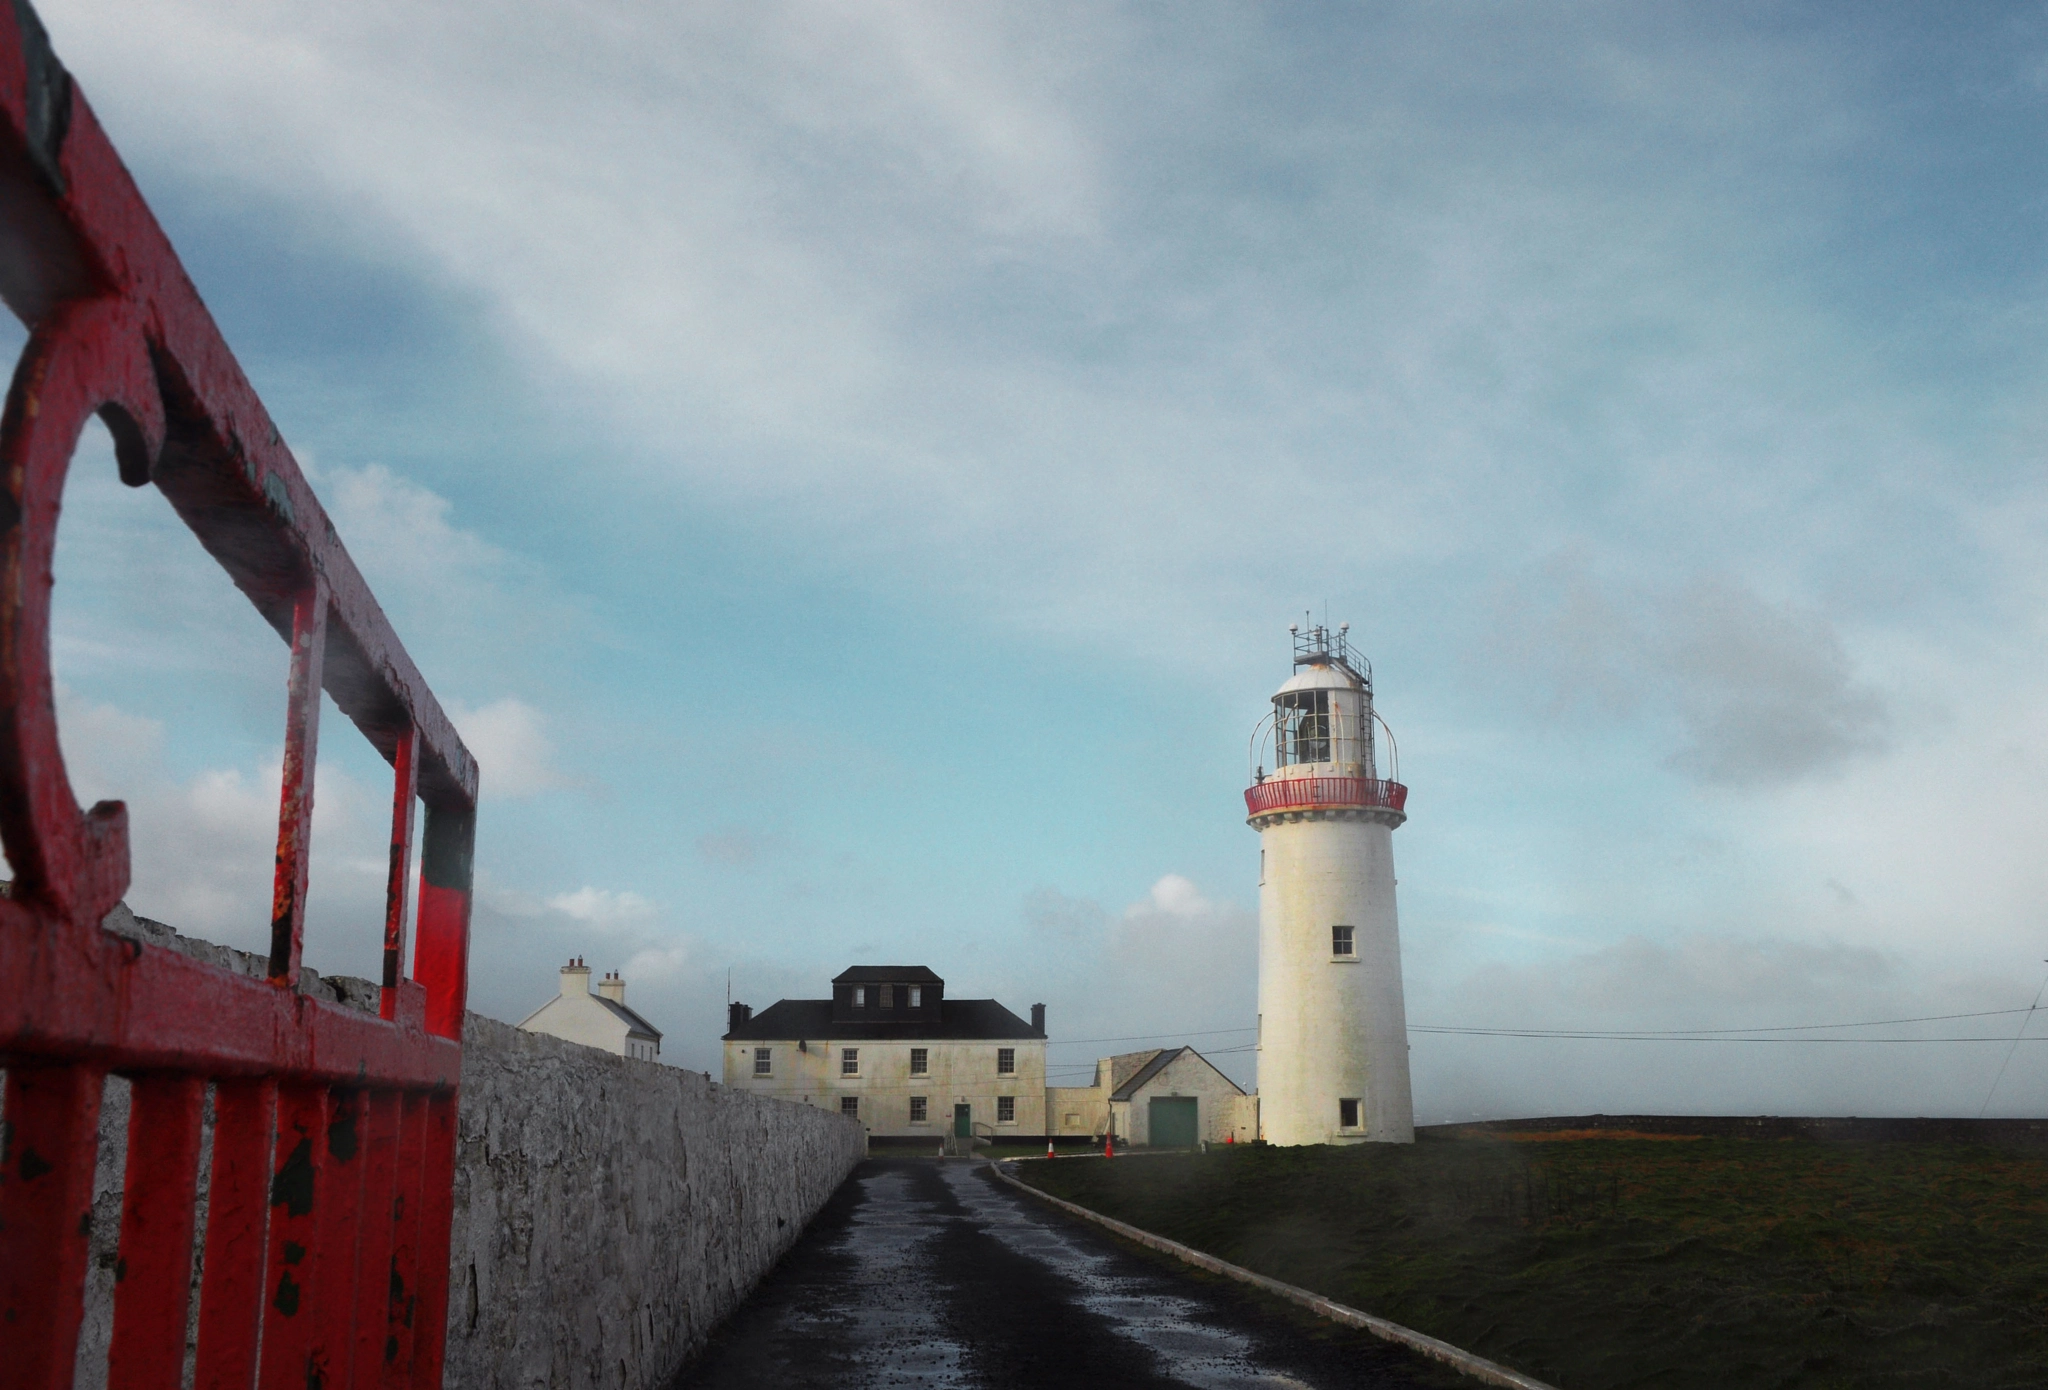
[[325, 1248]]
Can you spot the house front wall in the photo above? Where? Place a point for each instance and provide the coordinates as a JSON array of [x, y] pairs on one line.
[[580, 1020], [1221, 1110], [956, 1073], [1075, 1110]]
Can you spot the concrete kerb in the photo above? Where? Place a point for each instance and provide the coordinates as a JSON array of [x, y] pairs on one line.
[[1477, 1367]]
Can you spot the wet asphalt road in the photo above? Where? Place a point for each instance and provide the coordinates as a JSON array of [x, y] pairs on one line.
[[923, 1274]]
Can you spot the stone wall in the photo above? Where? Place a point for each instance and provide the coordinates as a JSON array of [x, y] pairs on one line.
[[608, 1212]]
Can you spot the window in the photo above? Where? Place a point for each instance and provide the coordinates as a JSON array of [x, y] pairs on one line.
[[917, 1110], [849, 1061], [860, 996], [849, 1106], [920, 1061], [1070, 1121], [762, 1056], [1302, 720], [888, 999], [1347, 1114], [1006, 1110], [1340, 942], [917, 996], [1006, 1061]]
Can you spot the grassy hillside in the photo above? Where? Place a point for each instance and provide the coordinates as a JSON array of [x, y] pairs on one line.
[[1598, 1260]]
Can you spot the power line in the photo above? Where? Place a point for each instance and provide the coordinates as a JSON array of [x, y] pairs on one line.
[[1147, 1037], [2015, 1046], [1696, 1032]]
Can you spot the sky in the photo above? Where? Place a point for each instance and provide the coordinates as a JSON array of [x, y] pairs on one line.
[[849, 469]]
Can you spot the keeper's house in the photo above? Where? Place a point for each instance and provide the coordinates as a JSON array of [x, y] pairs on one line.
[[891, 1050]]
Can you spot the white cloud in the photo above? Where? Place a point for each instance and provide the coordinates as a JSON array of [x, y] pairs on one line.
[[602, 907], [512, 749]]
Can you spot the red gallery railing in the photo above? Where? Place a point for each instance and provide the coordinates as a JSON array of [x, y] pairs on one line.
[[1323, 793], [328, 1192]]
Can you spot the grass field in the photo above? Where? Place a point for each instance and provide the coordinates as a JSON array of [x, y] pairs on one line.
[[1602, 1260]]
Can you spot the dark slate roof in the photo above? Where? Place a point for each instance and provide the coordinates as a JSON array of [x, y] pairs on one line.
[[961, 1020], [1145, 1073], [887, 975], [634, 1023]]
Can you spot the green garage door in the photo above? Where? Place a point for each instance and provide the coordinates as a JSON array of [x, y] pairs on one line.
[[1173, 1122]]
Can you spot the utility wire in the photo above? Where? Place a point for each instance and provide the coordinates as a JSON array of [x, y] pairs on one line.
[[2015, 1046]]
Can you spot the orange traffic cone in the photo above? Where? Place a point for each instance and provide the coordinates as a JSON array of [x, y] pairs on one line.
[[1109, 1146], [1048, 1150]]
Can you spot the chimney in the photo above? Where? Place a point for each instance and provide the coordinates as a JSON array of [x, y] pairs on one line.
[[575, 977], [613, 988], [736, 1014], [1038, 1019]]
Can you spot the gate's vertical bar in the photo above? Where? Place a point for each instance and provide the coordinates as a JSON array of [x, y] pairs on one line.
[[437, 1212], [295, 810], [404, 800], [153, 1280], [441, 956], [373, 1267], [232, 1281], [407, 1205], [45, 1220], [338, 1221], [296, 1187]]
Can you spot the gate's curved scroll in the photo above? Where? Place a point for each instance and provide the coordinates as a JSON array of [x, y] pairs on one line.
[[326, 1238]]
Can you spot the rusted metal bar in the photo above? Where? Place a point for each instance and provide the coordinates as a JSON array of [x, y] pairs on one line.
[[384, 1111], [46, 1220], [153, 1279], [237, 1234], [405, 799], [295, 810]]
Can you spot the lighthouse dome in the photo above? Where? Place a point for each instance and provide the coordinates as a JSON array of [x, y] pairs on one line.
[[1320, 678]]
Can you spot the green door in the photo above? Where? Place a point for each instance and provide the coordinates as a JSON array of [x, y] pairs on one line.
[[963, 1122], [1173, 1122]]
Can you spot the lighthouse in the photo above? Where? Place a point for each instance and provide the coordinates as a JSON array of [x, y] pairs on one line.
[[1333, 1031]]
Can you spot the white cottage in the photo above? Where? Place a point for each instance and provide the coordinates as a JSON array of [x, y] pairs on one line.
[[599, 1019]]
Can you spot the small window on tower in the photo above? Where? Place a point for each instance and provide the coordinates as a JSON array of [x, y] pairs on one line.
[[916, 996], [1347, 1114], [1006, 1061], [860, 996], [763, 1056], [888, 1000], [1340, 942]]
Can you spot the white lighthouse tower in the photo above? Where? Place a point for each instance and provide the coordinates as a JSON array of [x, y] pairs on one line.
[[1333, 1031]]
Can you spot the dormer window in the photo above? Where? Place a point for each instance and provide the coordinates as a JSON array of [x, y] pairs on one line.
[[888, 996], [860, 996], [916, 997]]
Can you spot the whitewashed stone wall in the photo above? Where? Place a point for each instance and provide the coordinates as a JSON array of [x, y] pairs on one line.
[[609, 1212]]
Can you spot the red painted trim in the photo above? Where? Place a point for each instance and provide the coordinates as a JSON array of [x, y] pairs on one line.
[[1318, 793], [237, 1217]]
